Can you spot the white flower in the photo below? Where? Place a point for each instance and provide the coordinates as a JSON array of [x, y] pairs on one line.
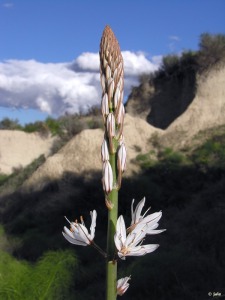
[[131, 245], [78, 233], [122, 285], [151, 220]]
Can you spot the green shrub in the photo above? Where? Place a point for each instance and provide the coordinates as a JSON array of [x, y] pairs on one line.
[[3, 178], [54, 126], [38, 126], [169, 156], [50, 278], [14, 181], [211, 153], [146, 160]]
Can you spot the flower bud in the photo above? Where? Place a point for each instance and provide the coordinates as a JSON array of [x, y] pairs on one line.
[[105, 151], [122, 285], [103, 82], [115, 74], [121, 140], [116, 97], [120, 83], [108, 72], [105, 105], [107, 179], [110, 88], [104, 62], [121, 157], [120, 115], [110, 125]]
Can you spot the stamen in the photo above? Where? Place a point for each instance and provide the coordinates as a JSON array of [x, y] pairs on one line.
[[146, 212], [67, 220]]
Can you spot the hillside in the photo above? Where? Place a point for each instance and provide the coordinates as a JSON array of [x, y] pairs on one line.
[[82, 153], [207, 110], [18, 149], [180, 107]]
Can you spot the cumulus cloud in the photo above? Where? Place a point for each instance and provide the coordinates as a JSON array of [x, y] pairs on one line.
[[57, 88]]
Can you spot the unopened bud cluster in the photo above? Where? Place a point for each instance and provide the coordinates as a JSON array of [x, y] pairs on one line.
[[112, 82]]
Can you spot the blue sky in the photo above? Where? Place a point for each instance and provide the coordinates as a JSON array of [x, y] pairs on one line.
[[48, 49]]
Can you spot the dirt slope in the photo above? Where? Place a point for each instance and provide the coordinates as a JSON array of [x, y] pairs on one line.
[[206, 110], [18, 149], [82, 153]]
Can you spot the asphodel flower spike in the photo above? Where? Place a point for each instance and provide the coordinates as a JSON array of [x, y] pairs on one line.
[[111, 68], [78, 233]]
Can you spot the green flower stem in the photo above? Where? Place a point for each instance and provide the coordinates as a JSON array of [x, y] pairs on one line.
[[111, 293], [111, 268]]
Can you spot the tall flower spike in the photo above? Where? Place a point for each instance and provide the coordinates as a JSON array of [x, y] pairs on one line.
[[111, 67], [78, 233]]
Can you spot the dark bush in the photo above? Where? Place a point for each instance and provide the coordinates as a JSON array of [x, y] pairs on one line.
[[9, 124], [212, 51]]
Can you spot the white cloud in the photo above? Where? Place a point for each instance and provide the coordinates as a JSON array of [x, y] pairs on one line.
[[136, 64], [57, 88], [87, 61]]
